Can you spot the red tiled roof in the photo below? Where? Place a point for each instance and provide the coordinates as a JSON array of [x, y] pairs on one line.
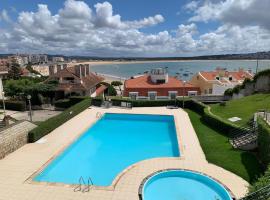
[[238, 75], [100, 89], [145, 82], [87, 82]]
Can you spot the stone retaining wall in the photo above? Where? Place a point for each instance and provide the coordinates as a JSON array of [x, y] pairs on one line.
[[14, 137]]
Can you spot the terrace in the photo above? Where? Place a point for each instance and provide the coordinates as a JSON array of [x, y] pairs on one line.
[[18, 169]]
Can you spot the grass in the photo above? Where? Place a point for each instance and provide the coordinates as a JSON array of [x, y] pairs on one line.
[[243, 108], [219, 151]]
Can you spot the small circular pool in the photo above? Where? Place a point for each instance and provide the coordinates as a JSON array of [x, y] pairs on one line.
[[183, 185]]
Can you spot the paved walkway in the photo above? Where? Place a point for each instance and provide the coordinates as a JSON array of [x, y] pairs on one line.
[[38, 115], [17, 169]]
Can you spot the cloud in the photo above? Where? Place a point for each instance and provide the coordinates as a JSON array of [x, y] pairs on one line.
[[191, 6], [78, 29], [4, 16], [236, 12]]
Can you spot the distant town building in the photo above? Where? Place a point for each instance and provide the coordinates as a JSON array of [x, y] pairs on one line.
[[75, 80], [3, 75], [16, 59], [38, 58], [58, 59], [216, 82], [43, 69], [158, 85]]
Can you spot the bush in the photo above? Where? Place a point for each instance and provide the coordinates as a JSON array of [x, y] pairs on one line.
[[196, 106], [111, 91], [264, 142], [66, 103], [261, 182], [97, 101], [49, 125], [14, 105], [228, 92], [153, 103]]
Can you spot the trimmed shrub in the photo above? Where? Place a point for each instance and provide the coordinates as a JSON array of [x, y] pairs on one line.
[[196, 106], [49, 125], [14, 105], [62, 103], [263, 181], [264, 141], [97, 101], [117, 102], [153, 103], [66, 103]]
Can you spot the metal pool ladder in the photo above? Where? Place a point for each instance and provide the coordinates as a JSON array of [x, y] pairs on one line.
[[98, 115], [83, 183]]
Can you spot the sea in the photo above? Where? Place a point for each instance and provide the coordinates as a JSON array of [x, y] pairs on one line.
[[183, 69]]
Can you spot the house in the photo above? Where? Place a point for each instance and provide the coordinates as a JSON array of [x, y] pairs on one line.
[[216, 82], [3, 75], [75, 80], [158, 85]]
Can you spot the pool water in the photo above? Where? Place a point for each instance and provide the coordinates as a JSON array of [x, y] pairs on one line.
[[183, 185], [113, 143]]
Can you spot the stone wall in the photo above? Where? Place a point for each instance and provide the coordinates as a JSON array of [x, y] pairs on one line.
[[14, 137]]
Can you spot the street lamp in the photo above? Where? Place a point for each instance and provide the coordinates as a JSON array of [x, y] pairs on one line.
[[30, 109], [184, 83], [4, 105]]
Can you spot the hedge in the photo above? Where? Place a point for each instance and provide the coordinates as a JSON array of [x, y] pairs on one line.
[[49, 125], [14, 105], [263, 181], [210, 119], [66, 103], [264, 141]]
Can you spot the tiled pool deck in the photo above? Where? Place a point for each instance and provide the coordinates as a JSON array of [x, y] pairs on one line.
[[17, 169]]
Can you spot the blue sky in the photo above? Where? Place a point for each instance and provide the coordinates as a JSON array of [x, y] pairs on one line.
[[146, 28]]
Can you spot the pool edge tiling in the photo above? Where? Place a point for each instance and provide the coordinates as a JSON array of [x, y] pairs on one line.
[[19, 166], [156, 126]]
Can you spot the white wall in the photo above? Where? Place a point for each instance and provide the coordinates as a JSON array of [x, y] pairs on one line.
[[220, 89]]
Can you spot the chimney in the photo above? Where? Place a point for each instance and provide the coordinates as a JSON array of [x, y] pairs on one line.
[[87, 66], [51, 70], [78, 70], [59, 68], [83, 71]]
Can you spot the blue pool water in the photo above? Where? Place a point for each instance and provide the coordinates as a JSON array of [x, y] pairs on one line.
[[113, 143], [183, 185]]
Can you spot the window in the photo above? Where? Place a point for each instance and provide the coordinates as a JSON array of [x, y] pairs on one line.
[[205, 91], [133, 95], [160, 81], [172, 94], [217, 78], [198, 77], [210, 90], [230, 78], [152, 95]]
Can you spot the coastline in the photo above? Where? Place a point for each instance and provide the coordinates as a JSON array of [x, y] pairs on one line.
[[96, 63]]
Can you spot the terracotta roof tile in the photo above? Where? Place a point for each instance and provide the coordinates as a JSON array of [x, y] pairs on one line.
[[145, 82]]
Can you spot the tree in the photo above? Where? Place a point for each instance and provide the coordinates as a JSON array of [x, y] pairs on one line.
[[117, 84], [14, 71]]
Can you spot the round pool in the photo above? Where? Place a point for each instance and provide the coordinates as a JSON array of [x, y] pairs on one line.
[[183, 185]]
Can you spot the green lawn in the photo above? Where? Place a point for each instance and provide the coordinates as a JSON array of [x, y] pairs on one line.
[[219, 151], [243, 108]]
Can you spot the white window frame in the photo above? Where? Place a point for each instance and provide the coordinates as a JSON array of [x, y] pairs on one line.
[[173, 92], [133, 94], [150, 93]]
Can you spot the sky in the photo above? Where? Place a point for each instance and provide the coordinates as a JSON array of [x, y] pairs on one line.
[[134, 28]]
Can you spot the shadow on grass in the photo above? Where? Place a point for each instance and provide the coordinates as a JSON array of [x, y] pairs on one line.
[[251, 167]]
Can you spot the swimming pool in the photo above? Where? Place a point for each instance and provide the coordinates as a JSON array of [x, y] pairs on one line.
[[183, 184], [113, 143]]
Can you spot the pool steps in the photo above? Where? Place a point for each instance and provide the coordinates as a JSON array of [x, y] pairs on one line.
[[83, 183]]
